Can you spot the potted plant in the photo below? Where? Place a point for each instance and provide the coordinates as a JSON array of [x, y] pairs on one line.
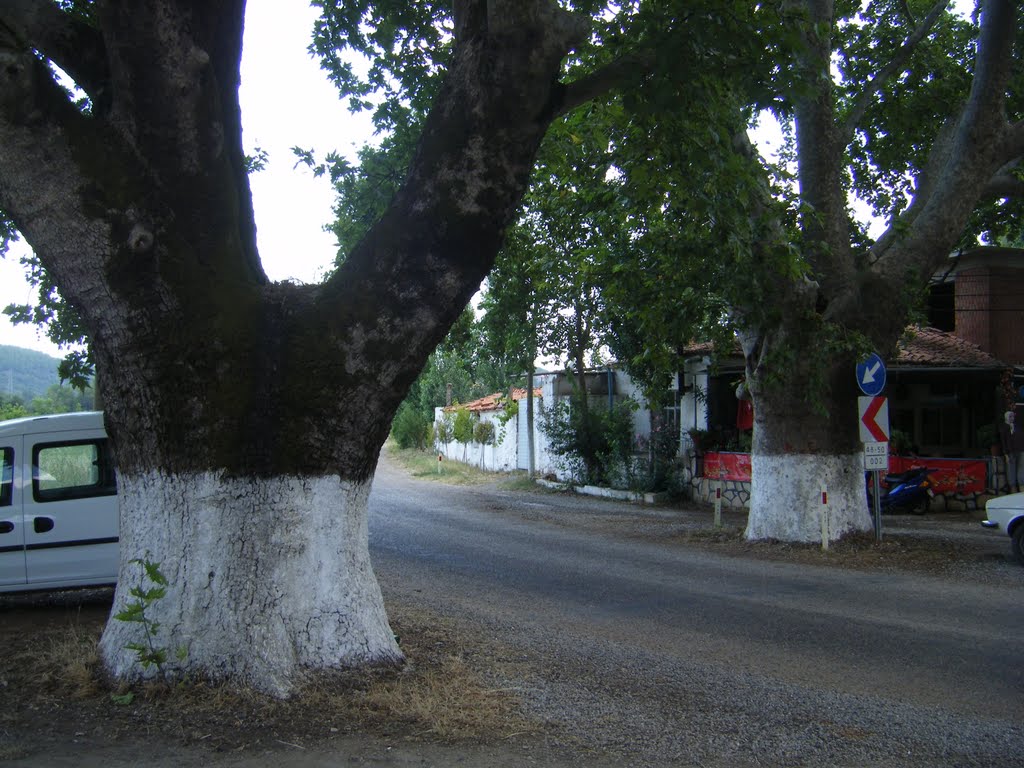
[[703, 440], [988, 436], [900, 443]]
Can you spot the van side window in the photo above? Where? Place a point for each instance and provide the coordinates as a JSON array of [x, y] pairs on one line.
[[6, 476], [73, 470]]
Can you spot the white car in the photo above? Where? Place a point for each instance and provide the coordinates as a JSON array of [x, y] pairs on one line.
[[1006, 513]]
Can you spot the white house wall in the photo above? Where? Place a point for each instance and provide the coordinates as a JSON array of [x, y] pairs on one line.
[[503, 457], [500, 457], [693, 409]]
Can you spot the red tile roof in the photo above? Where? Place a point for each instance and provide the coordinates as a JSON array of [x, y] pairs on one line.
[[493, 402], [932, 347]]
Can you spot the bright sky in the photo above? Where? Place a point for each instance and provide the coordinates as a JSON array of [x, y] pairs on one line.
[[286, 101]]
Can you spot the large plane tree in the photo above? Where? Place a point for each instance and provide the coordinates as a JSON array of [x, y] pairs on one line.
[[926, 142], [911, 108], [248, 415]]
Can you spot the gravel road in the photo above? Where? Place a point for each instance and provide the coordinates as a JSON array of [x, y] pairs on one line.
[[648, 654]]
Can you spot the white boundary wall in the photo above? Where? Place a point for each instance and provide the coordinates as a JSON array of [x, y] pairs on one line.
[[503, 456], [500, 457]]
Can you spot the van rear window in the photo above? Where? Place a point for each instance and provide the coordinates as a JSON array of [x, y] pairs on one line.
[[72, 471], [6, 476]]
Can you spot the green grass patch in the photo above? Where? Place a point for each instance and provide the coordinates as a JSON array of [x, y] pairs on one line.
[[424, 464]]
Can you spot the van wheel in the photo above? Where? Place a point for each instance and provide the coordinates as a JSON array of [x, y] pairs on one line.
[[1017, 543]]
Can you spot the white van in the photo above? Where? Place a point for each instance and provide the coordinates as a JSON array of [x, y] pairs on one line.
[[58, 503]]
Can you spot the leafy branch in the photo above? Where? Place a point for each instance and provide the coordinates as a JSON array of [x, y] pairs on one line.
[[147, 652]]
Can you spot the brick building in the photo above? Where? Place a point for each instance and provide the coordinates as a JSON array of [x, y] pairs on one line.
[[980, 298]]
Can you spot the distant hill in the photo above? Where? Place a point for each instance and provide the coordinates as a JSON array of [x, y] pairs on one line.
[[26, 372]]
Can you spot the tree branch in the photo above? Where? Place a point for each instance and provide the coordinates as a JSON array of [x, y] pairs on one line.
[[966, 155], [72, 45], [617, 74], [887, 72], [404, 284], [1004, 185], [42, 188]]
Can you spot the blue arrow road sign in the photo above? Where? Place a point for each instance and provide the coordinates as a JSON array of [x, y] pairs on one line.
[[871, 376]]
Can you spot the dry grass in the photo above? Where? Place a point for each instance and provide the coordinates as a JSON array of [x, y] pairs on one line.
[[425, 466], [440, 694], [70, 663]]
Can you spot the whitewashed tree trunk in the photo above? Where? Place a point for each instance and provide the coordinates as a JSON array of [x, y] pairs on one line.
[[806, 441], [267, 578], [786, 497], [804, 328]]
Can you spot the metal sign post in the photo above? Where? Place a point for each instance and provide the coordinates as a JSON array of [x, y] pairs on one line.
[[878, 505], [876, 459]]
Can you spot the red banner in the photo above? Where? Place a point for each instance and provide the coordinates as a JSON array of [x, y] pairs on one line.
[[727, 466], [952, 476]]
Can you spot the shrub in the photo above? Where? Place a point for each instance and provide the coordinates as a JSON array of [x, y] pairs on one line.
[[595, 445], [409, 428], [483, 432], [463, 429], [444, 429]]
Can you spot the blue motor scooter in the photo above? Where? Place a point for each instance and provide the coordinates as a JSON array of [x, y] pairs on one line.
[[911, 491]]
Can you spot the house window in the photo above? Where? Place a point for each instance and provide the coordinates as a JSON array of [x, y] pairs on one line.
[[670, 415], [940, 426], [942, 307]]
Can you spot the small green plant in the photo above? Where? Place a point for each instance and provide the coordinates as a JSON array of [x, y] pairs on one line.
[[900, 443], [444, 431], [409, 428], [463, 430], [148, 653]]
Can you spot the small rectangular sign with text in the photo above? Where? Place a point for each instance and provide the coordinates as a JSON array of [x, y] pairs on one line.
[[876, 456]]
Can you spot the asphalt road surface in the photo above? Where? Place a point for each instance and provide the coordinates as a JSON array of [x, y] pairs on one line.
[[661, 654]]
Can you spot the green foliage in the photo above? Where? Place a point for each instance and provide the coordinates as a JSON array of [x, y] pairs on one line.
[[463, 427], [659, 449], [257, 161], [898, 128], [60, 322], [409, 428], [444, 429], [147, 652], [900, 443], [57, 399], [11, 410], [484, 433], [62, 399], [8, 233], [593, 443]]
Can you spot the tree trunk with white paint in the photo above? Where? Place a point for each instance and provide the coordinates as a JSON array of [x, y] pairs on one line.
[[806, 443], [267, 578], [247, 416]]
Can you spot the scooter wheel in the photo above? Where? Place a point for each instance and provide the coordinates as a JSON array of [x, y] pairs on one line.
[[922, 506]]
